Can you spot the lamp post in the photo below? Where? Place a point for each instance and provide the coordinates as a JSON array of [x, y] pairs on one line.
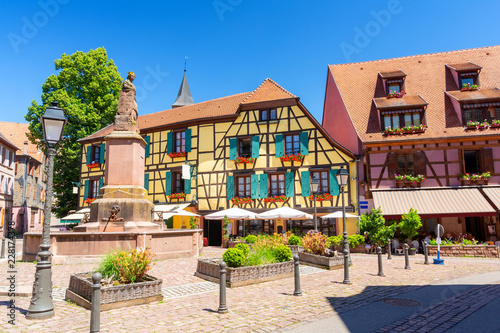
[[342, 179], [314, 191], [41, 306]]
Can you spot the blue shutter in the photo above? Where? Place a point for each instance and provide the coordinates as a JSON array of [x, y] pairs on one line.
[[304, 143], [102, 153], [187, 186], [263, 186], [168, 183], [101, 182], [170, 142], [147, 138], [86, 190], [305, 181], [188, 140], [230, 187], [89, 154], [146, 181], [232, 149], [254, 186], [278, 142], [334, 186], [255, 146], [289, 185]]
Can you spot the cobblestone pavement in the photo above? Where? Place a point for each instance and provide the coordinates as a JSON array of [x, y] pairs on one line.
[[190, 305]]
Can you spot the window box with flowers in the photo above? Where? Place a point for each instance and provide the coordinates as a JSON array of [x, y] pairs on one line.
[[88, 201], [495, 123], [177, 195], [408, 180], [240, 201], [292, 158], [93, 165], [277, 198], [472, 125], [395, 94], [474, 179], [321, 197], [467, 87], [246, 160], [393, 131], [414, 129], [178, 154]]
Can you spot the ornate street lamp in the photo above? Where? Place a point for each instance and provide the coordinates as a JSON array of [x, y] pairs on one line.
[[41, 306], [314, 191], [342, 179]]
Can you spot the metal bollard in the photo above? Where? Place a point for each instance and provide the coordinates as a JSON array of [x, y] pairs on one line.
[[407, 258], [297, 291], [389, 250], [3, 248], [379, 253], [426, 255], [95, 310], [222, 294]]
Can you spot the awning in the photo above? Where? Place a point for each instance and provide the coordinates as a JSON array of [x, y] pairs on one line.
[[433, 202], [493, 193]]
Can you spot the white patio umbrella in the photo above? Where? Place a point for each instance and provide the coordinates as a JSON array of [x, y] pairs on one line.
[[232, 214], [337, 215], [178, 212], [283, 213]]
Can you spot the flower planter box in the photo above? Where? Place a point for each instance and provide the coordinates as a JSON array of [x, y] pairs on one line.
[[412, 252], [483, 251], [296, 249], [471, 128], [113, 297], [474, 182], [321, 261], [404, 183], [357, 249], [209, 269]]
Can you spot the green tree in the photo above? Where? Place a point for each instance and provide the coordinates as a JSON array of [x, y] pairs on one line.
[[410, 223], [374, 224], [87, 87]]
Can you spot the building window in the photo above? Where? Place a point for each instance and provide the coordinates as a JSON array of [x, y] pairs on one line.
[[394, 88], [482, 114], [324, 185], [468, 79], [179, 142], [406, 165], [245, 147], [268, 114], [243, 189], [471, 161], [177, 182], [403, 119], [93, 188], [412, 119], [391, 121], [96, 154], [277, 182], [292, 144]]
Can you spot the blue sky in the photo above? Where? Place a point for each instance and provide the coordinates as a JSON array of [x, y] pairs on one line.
[[231, 45]]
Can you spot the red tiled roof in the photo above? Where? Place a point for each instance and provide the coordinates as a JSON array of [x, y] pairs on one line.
[[16, 133], [392, 75], [485, 95], [7, 142], [467, 66], [268, 91], [402, 102], [427, 76]]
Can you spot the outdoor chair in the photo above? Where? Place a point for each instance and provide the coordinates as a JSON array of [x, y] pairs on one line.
[[396, 247], [414, 244]]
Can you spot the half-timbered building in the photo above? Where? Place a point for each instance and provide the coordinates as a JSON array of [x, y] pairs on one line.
[[255, 150], [428, 130]]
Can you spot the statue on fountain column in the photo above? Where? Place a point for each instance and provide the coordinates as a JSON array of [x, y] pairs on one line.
[[126, 117]]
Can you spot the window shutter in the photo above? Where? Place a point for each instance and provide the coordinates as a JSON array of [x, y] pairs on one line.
[[170, 142], [89, 154], [263, 186], [102, 153], [188, 140], [146, 181], [147, 138], [254, 186], [488, 165], [304, 143], [86, 190], [232, 149], [392, 164], [101, 182], [305, 180], [230, 187], [289, 185], [168, 183], [255, 146], [420, 165], [334, 186], [278, 142], [187, 186]]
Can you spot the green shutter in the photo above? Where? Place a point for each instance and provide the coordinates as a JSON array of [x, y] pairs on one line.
[[188, 140], [255, 146], [187, 186], [168, 183], [146, 181], [230, 187], [147, 138], [89, 154], [304, 143], [334, 186], [232, 149], [263, 186], [170, 142], [254, 186], [102, 153], [101, 181], [86, 190], [305, 181], [289, 185], [278, 142]]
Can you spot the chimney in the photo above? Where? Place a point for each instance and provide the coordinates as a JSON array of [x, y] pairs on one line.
[[25, 150]]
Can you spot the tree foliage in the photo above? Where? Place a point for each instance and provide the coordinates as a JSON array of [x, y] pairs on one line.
[[410, 224], [87, 87], [374, 224]]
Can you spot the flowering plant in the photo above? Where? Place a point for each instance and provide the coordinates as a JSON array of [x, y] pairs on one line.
[[471, 123], [240, 201], [396, 94], [361, 183], [93, 165], [483, 125], [289, 158], [277, 198], [468, 86], [177, 195], [413, 128], [392, 131], [321, 197], [178, 154], [410, 178], [482, 176], [246, 160], [89, 200], [495, 123]]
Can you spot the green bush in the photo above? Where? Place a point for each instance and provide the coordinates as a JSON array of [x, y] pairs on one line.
[[261, 256], [410, 224], [282, 253], [355, 240], [126, 267], [335, 240], [315, 242], [294, 240], [250, 239], [243, 247], [107, 267], [233, 257]]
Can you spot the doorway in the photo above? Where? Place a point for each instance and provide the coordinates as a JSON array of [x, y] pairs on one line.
[[214, 232], [475, 226]]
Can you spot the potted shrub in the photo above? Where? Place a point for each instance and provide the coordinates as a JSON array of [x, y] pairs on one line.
[[294, 243]]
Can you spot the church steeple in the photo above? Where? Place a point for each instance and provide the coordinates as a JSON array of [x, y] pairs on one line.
[[184, 95]]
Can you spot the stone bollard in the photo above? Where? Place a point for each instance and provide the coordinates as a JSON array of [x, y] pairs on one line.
[[426, 254], [95, 309], [379, 253], [407, 257], [3, 248], [389, 250], [297, 291], [222, 294]]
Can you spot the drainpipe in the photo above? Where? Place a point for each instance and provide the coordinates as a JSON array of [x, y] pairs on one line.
[[357, 194]]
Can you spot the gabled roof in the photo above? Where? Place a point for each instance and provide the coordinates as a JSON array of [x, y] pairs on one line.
[[268, 91], [184, 95], [485, 95], [4, 140], [16, 133], [427, 75], [392, 75], [384, 103], [466, 66]]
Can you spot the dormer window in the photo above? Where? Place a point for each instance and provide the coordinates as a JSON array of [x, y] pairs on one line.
[[466, 75], [393, 83], [468, 81], [394, 87]]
